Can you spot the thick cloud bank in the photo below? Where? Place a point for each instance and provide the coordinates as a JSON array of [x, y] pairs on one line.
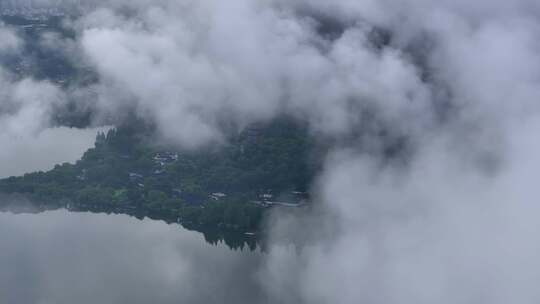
[[195, 67], [454, 222], [458, 223]]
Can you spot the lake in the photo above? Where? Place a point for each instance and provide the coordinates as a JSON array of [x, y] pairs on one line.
[[64, 257], [28, 152]]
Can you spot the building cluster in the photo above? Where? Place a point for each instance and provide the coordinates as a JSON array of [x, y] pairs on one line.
[[217, 196], [290, 199], [161, 159], [165, 158]]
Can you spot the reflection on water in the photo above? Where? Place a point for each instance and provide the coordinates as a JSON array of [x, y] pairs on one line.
[[63, 257], [235, 240]]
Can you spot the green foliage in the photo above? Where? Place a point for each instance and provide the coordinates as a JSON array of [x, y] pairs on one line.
[[91, 196]]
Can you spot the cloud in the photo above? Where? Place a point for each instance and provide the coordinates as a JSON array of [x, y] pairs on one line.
[[454, 222], [9, 42], [457, 223], [200, 66], [27, 110], [437, 231], [26, 105]]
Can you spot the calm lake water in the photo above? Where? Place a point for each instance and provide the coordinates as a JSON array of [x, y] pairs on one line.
[[29, 152], [64, 257]]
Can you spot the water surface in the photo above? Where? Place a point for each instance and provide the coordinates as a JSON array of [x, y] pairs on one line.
[[28, 152], [63, 257]]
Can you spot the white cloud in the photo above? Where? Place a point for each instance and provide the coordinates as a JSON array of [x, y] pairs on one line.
[[9, 42]]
